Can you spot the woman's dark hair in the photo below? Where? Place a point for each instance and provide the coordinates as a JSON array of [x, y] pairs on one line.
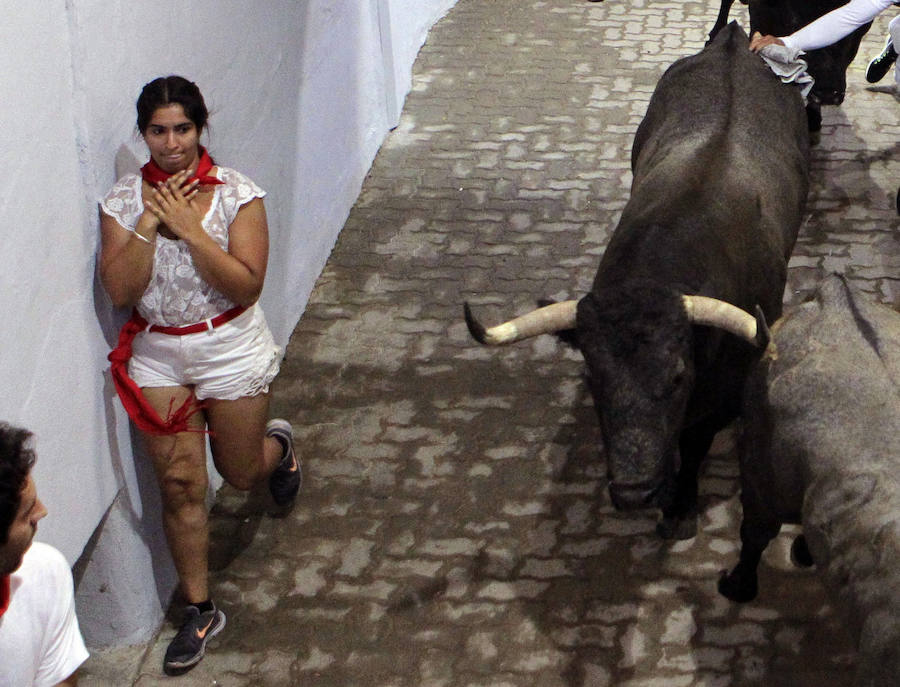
[[16, 460], [169, 90]]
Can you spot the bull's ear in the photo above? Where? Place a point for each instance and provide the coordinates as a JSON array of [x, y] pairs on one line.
[[763, 336]]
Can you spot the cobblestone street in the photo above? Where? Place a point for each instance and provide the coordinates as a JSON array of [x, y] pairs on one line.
[[454, 529]]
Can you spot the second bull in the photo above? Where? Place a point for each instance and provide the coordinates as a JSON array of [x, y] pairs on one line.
[[821, 446], [720, 179]]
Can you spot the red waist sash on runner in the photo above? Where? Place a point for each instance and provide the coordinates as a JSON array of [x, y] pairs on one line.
[[139, 410]]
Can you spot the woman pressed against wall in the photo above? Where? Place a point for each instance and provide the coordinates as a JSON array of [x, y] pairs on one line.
[[185, 243]]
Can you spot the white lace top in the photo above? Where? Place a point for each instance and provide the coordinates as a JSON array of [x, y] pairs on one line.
[[176, 294]]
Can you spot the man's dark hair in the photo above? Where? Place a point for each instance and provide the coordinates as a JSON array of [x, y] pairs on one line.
[[16, 461]]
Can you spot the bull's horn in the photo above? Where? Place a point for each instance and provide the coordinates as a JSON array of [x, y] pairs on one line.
[[715, 313], [545, 320]]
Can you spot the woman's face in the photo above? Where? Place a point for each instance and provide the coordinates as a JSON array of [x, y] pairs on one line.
[[173, 139]]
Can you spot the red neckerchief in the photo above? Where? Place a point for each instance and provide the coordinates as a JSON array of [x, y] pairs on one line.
[[152, 173], [4, 594]]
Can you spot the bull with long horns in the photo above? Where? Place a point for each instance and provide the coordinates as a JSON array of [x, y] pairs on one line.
[[720, 178]]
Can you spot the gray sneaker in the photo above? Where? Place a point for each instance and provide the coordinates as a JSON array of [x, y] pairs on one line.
[[285, 480]]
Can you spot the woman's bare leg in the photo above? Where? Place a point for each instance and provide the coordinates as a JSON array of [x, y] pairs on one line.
[[242, 452], [180, 464]]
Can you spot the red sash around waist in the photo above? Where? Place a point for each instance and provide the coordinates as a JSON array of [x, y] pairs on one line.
[[139, 410]]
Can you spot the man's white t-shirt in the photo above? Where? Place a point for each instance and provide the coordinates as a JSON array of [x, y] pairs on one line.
[[40, 642]]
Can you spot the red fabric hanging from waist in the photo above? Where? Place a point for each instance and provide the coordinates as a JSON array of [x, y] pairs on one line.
[[139, 410]]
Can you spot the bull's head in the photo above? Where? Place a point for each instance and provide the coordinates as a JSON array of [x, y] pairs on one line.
[[639, 352]]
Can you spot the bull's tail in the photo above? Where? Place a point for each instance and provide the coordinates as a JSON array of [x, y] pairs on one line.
[[721, 19]]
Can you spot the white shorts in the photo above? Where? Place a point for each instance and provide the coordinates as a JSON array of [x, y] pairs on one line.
[[236, 359]]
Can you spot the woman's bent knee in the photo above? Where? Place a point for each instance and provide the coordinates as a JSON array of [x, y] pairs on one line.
[[243, 481]]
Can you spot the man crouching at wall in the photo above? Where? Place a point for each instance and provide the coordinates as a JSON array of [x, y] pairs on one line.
[[40, 642]]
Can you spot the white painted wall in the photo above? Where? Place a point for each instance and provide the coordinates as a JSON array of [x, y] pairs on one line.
[[302, 93]]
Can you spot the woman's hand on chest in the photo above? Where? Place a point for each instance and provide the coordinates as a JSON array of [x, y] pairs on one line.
[[180, 206]]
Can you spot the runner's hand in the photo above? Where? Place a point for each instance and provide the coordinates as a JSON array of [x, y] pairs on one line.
[[759, 41]]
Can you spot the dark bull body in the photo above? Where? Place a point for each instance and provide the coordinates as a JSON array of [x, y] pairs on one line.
[[821, 445], [828, 65], [720, 176], [720, 183]]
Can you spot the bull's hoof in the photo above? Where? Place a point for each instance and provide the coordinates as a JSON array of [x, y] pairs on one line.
[[737, 587], [800, 555], [813, 117], [677, 528]]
